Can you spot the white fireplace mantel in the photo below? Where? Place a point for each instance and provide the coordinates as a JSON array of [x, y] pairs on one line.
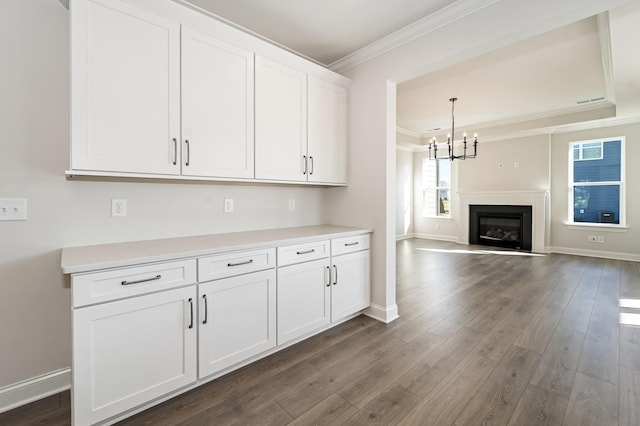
[[536, 199]]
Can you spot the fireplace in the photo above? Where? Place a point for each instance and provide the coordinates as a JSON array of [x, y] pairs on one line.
[[501, 226]]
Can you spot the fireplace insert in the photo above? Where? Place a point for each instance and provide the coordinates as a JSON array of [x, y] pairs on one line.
[[501, 226]]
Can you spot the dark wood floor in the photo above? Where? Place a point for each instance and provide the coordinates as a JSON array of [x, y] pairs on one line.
[[483, 338]]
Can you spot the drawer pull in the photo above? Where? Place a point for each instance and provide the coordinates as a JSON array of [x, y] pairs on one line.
[[145, 280], [351, 244], [329, 275], [175, 151], [206, 311], [335, 275], [229, 265], [306, 251], [191, 312]]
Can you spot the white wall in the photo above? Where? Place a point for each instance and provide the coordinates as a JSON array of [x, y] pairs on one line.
[[35, 301], [404, 193]]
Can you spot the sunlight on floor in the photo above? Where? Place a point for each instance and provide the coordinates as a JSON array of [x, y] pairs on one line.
[[627, 318], [500, 252]]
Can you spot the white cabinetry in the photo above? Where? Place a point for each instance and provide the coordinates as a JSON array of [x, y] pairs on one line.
[[125, 81], [217, 107], [280, 122], [301, 128], [238, 314], [130, 351], [327, 132]]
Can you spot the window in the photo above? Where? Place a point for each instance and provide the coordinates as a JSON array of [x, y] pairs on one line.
[[436, 187], [596, 182]]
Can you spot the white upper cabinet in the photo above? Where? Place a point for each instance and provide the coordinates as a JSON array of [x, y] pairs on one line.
[[280, 122], [125, 77], [327, 132], [217, 107]]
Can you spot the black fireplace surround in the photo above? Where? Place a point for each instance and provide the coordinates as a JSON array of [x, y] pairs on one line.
[[501, 226]]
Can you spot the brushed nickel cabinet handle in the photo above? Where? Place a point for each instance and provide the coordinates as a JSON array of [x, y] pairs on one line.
[[206, 311], [304, 160], [335, 275], [306, 251], [144, 280], [175, 151], [191, 312], [310, 165], [351, 244], [229, 265], [186, 142]]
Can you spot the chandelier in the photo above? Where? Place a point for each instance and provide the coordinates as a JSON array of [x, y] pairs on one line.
[[451, 143]]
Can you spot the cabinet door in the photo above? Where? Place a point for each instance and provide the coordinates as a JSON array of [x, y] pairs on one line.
[[217, 107], [281, 122], [125, 102], [129, 352], [303, 299], [327, 132], [350, 284], [237, 319]]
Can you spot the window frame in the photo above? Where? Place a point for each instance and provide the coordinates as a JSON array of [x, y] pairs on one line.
[[622, 219], [425, 188]]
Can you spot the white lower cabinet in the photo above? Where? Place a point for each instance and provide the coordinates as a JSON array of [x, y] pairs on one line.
[[237, 319], [349, 284], [304, 297], [128, 352]]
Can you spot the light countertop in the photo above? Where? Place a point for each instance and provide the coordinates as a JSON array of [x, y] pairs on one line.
[[116, 255]]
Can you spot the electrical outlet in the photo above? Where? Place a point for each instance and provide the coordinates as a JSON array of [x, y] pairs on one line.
[[500, 165], [600, 238], [228, 205], [13, 209], [292, 205], [591, 238], [118, 208], [516, 165]]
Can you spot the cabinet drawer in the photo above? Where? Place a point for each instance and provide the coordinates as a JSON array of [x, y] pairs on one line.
[[289, 255], [114, 284], [349, 244], [237, 263]]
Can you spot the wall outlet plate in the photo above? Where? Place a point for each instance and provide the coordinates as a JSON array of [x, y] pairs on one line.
[[292, 205], [13, 209], [118, 208], [228, 205]]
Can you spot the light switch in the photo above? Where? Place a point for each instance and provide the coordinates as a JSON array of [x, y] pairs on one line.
[[292, 205], [13, 209], [228, 205]]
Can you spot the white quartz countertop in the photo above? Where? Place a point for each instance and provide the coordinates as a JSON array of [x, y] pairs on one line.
[[116, 255]]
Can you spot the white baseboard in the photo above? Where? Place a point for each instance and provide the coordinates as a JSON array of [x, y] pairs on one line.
[[404, 237], [596, 253], [382, 314], [31, 390], [450, 238]]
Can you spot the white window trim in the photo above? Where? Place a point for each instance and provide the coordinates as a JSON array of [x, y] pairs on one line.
[[582, 143], [622, 226]]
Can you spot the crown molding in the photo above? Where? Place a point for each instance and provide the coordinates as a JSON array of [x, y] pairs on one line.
[[419, 28], [408, 132]]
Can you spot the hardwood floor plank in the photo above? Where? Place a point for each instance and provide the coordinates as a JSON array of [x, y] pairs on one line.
[[592, 402], [557, 367], [540, 408], [499, 340], [577, 314], [537, 335], [449, 397], [486, 320], [600, 353], [370, 384], [422, 378], [331, 411], [268, 414], [630, 347], [388, 408], [312, 390], [497, 397], [629, 397]]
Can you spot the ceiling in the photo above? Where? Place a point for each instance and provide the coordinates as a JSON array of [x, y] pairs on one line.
[[579, 72]]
